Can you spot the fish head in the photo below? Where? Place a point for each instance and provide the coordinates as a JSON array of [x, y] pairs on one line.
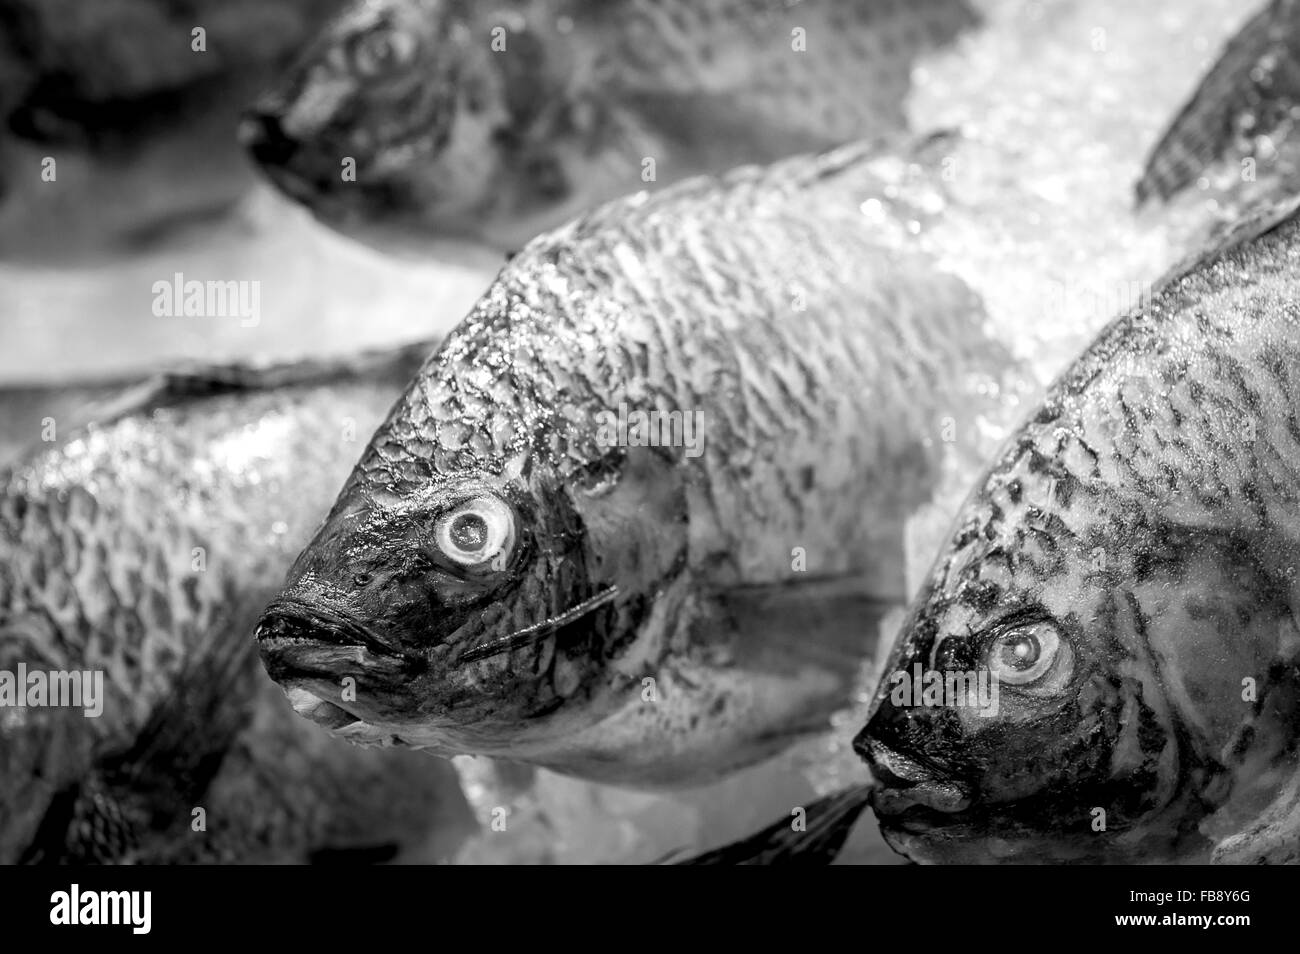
[[388, 589], [1065, 681], [402, 114], [475, 605]]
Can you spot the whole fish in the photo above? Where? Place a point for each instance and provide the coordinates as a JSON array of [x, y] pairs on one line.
[[1126, 570], [1250, 95], [505, 119], [526, 564], [140, 543]]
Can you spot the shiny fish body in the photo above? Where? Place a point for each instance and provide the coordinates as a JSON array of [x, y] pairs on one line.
[[501, 575], [143, 547], [1128, 569], [504, 120]]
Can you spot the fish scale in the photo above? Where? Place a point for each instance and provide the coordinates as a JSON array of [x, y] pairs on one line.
[[96, 538], [822, 429]]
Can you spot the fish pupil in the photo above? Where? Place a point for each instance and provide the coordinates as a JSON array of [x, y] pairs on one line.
[[469, 532], [1020, 651]]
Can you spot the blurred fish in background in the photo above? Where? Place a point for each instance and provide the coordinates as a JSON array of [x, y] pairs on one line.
[[1249, 97], [501, 120], [1235, 137], [120, 166], [138, 106]]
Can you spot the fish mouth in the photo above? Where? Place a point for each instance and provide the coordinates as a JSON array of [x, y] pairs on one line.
[[913, 796], [296, 639]]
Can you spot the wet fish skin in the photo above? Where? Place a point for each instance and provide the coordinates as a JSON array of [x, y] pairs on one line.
[[97, 572], [1124, 566], [1251, 91], [450, 135], [821, 362]]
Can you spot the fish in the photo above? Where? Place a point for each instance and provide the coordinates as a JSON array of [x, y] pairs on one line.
[[501, 121], [140, 542], [1126, 569], [1247, 103], [525, 564]]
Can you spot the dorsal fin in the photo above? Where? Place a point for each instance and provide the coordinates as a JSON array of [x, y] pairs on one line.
[[195, 382], [739, 187]]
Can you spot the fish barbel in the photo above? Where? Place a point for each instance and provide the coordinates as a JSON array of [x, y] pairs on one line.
[[526, 564], [140, 544], [502, 120]]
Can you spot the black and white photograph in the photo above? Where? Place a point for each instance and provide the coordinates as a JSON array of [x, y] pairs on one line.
[[650, 433]]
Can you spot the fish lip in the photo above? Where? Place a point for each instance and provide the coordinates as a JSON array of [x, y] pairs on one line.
[[935, 803], [909, 792], [890, 766], [325, 628]]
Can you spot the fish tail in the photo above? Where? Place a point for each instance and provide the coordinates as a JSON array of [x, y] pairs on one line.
[[826, 826], [1258, 72]]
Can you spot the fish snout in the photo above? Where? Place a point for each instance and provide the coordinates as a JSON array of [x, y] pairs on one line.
[[906, 783], [263, 135], [277, 625], [290, 630]]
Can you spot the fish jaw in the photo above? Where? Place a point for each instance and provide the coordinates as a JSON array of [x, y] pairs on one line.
[[462, 691], [316, 657], [944, 813]]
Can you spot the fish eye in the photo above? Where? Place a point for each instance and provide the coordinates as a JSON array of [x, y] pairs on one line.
[[479, 530], [1033, 656], [381, 49]]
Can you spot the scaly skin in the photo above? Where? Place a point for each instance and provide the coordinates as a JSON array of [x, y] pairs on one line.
[[98, 571], [453, 135], [1137, 540], [822, 365]]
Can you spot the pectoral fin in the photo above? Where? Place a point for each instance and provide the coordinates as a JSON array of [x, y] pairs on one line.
[[831, 622], [826, 825], [184, 384]]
